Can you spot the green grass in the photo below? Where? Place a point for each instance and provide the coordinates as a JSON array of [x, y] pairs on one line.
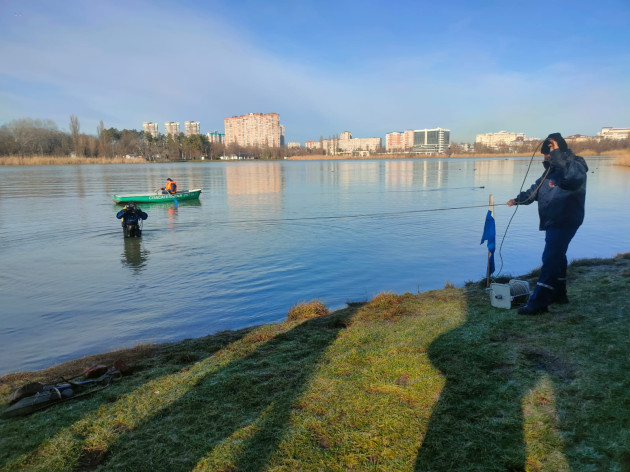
[[435, 381]]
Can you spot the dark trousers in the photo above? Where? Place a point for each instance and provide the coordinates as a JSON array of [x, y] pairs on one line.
[[553, 274], [132, 230]]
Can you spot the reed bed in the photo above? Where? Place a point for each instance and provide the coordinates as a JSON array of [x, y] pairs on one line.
[[65, 160], [622, 157]]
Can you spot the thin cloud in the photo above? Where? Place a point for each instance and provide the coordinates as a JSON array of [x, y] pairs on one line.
[[129, 62]]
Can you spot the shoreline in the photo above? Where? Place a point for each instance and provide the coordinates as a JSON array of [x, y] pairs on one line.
[[622, 155], [403, 382], [142, 351]]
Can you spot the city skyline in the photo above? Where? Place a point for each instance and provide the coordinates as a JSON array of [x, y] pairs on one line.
[[473, 68]]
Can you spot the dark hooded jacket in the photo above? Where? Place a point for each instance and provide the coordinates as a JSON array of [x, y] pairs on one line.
[[131, 215], [560, 191]]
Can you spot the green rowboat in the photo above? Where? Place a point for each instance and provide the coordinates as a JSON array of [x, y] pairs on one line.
[[158, 196]]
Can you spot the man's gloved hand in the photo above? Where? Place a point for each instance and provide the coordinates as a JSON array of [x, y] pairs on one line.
[[557, 160]]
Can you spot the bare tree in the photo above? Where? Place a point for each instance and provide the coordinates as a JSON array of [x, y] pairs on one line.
[[102, 139], [75, 129]]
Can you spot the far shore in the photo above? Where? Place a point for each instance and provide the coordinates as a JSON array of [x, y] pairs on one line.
[[622, 157]]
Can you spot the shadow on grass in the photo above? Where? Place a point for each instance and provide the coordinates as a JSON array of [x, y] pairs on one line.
[[549, 392], [234, 418], [42, 425]]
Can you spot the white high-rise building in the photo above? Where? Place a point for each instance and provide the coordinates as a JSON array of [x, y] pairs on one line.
[[191, 127], [150, 128], [171, 128]]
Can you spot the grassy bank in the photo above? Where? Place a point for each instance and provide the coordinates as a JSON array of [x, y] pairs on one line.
[[431, 381]]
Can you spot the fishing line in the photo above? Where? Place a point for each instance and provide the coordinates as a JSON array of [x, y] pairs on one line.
[[362, 215]]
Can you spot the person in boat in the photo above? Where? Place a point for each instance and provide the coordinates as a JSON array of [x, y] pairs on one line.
[[131, 216], [171, 187], [561, 193]]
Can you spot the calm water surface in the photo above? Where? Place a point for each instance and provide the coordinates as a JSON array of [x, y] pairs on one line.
[[263, 237]]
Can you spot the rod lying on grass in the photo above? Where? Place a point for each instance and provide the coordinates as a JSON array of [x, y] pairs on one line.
[[36, 396]]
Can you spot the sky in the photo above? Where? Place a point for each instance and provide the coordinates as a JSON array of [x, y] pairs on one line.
[[368, 67]]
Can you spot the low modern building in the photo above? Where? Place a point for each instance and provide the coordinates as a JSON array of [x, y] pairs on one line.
[[431, 141], [495, 140], [609, 132], [346, 144], [579, 138]]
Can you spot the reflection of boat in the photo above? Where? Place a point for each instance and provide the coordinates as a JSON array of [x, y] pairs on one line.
[[158, 196], [171, 204]]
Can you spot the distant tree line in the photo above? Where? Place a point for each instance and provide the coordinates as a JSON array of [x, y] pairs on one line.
[[32, 137]]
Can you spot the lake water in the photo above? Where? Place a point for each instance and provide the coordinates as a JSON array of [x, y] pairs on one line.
[[263, 237]]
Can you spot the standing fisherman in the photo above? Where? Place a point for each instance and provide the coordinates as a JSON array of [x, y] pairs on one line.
[[560, 193]]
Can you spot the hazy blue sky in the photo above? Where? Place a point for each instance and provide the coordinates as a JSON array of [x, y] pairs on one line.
[[369, 67]]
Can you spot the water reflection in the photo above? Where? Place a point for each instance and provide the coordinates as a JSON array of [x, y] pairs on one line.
[[252, 179], [134, 256], [257, 187]]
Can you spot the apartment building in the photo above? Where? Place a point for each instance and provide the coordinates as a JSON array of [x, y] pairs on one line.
[[216, 137], [254, 129], [399, 141], [310, 144], [171, 128], [346, 144], [150, 128], [191, 127], [502, 138], [609, 132], [428, 141]]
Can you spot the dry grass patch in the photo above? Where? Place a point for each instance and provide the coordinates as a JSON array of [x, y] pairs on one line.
[[622, 157], [307, 310]]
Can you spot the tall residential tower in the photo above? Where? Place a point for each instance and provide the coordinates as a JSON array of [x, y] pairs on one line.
[[191, 127], [150, 128], [254, 129], [171, 128]]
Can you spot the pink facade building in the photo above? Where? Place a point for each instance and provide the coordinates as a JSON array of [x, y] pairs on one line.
[[254, 129], [399, 141]]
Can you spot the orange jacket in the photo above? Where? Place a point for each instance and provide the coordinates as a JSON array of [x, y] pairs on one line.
[[171, 187]]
